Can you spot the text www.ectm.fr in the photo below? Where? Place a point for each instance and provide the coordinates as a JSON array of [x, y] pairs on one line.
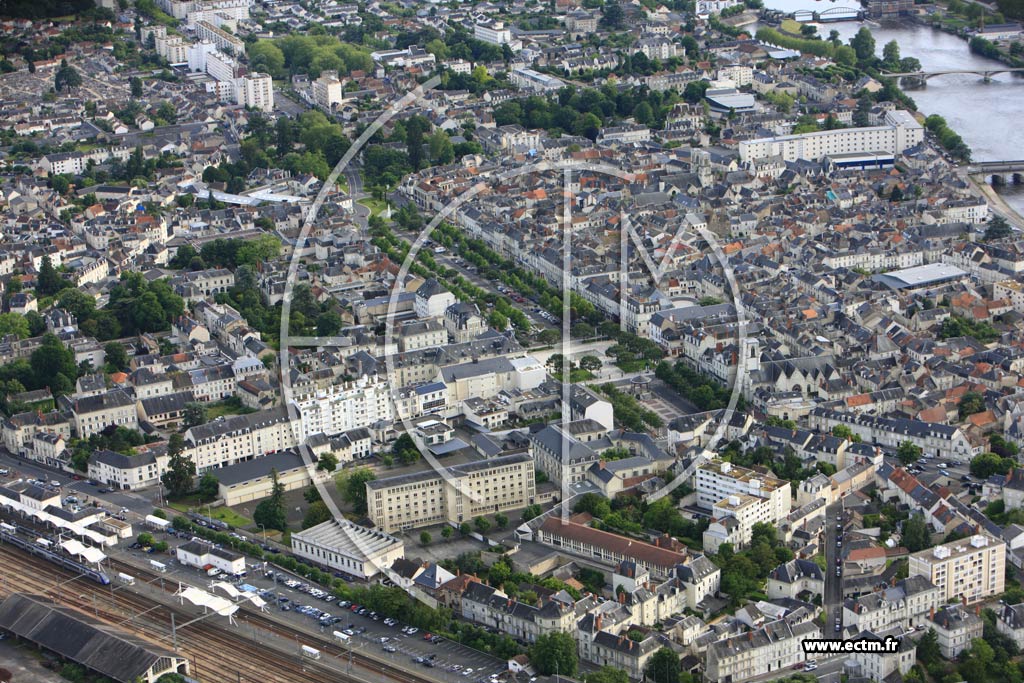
[[837, 647]]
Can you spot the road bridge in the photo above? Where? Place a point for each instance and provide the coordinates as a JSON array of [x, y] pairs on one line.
[[986, 74]]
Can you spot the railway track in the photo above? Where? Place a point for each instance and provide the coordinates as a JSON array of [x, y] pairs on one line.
[[259, 619], [218, 655]]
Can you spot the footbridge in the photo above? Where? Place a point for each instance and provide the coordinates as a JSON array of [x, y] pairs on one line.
[[999, 170]]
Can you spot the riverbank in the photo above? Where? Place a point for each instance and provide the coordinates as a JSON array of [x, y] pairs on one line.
[[998, 205]]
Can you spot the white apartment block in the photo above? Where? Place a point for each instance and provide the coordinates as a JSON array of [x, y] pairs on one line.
[[226, 441], [224, 41], [464, 491], [528, 79], [969, 569], [717, 480], [900, 132], [344, 406], [732, 520], [1012, 291], [255, 91], [327, 89], [493, 32]]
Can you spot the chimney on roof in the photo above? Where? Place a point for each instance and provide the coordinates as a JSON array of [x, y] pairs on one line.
[[622, 598], [931, 614], [600, 464], [597, 622], [750, 635], [621, 638]]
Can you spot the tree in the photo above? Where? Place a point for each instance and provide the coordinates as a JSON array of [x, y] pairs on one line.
[[531, 511], [908, 452], [590, 363], [67, 78], [446, 532], [180, 468], [845, 55], [481, 524], [984, 465], [352, 487], [663, 667], [863, 44], [441, 149], [555, 654], [997, 229], [891, 54], [136, 86], [501, 520], [116, 357], [465, 529], [328, 323], [270, 512], [612, 15], [425, 538], [193, 415], [318, 513], [209, 486], [970, 403], [52, 364], [49, 281], [12, 323], [415, 127], [328, 462], [311, 495], [915, 534]]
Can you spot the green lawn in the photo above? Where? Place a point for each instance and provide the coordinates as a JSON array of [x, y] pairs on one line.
[[215, 410], [375, 206], [224, 514]]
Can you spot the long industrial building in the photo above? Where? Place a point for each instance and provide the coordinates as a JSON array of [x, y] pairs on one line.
[[118, 655], [899, 132]]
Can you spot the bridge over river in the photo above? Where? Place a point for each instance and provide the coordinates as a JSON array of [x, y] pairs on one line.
[[986, 74], [830, 15]]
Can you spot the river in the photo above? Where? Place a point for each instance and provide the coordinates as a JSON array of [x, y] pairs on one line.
[[988, 116]]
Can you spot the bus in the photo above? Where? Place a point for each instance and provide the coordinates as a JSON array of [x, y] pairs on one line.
[[310, 652], [126, 579], [341, 637], [158, 566]]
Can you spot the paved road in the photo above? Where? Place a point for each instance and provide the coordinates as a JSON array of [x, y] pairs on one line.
[[833, 598]]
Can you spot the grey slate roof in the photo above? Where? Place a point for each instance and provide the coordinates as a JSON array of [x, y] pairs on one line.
[[117, 654]]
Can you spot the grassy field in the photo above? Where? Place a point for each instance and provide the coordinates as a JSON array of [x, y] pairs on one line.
[[215, 410], [375, 206], [222, 513], [790, 26]]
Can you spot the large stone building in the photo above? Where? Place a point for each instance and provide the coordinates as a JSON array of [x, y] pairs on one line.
[[460, 494]]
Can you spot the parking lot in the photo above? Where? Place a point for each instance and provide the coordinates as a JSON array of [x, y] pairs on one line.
[[373, 631], [449, 661]]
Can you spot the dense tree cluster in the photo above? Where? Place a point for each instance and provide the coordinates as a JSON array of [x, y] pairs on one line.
[[309, 53], [585, 112], [628, 412], [744, 572], [701, 390], [958, 326]]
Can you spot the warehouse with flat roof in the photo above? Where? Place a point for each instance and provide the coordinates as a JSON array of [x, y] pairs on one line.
[[920, 277]]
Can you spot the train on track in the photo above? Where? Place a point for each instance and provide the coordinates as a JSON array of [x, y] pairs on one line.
[[32, 542]]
